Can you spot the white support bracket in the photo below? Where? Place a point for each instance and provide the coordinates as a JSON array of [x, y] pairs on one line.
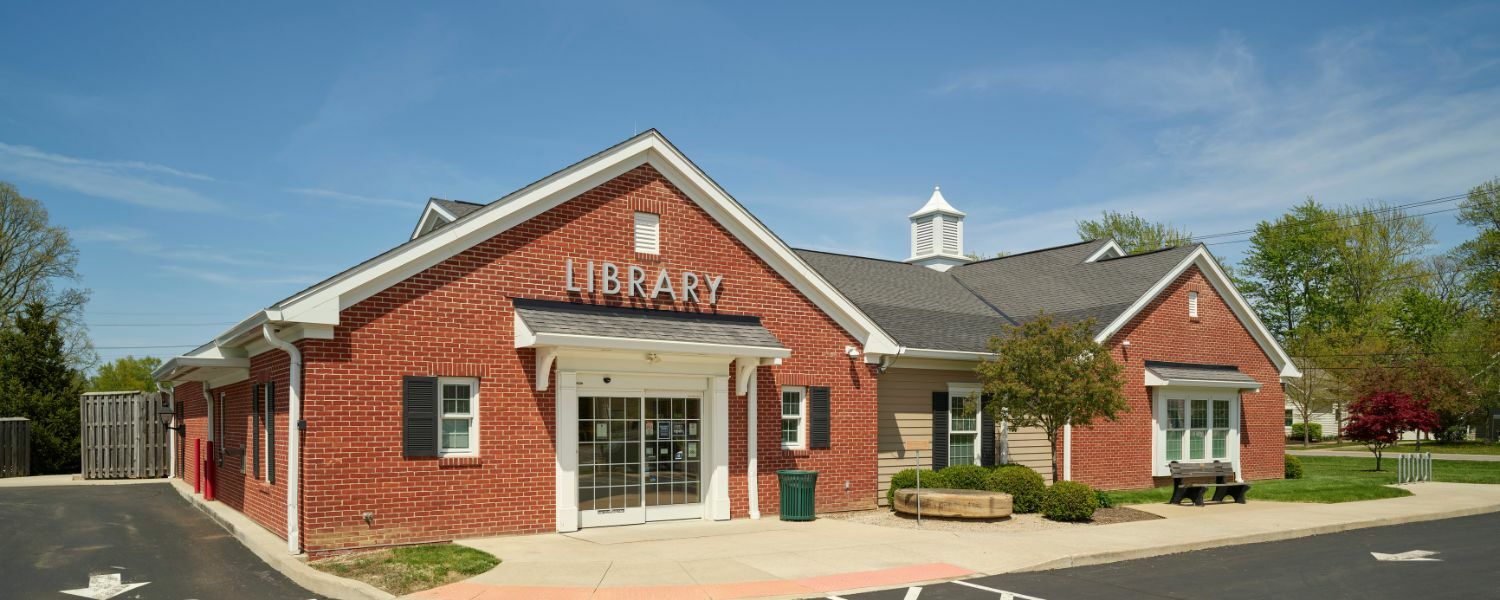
[[744, 371], [545, 356]]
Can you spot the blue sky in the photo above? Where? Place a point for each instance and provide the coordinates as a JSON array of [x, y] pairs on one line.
[[212, 161]]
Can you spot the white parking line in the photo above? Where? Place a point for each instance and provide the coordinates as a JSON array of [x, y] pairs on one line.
[[913, 592], [1004, 595]]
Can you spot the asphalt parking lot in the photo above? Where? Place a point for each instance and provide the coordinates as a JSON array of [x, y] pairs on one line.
[[1325, 567], [56, 538]]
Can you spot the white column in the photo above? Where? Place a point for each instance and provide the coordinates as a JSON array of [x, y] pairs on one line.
[[719, 484], [752, 418], [1067, 474], [567, 451]]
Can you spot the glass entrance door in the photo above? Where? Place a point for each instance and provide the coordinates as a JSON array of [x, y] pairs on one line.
[[639, 458]]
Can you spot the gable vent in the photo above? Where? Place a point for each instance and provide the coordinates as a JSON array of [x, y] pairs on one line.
[[647, 233]]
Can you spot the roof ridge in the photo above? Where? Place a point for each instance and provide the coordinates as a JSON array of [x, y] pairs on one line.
[[455, 200], [899, 262], [1146, 253], [1058, 247]]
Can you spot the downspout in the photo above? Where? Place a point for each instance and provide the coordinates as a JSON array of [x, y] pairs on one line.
[[294, 435], [171, 436], [1068, 451]]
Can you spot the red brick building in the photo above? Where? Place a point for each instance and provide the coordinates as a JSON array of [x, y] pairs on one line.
[[622, 342]]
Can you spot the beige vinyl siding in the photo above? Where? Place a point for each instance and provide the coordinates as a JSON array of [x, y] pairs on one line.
[[905, 413]]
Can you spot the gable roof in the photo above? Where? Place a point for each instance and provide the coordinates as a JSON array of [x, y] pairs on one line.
[[319, 305], [953, 313], [440, 212]]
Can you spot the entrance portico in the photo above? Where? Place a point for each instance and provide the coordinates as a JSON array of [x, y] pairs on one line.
[[642, 421]]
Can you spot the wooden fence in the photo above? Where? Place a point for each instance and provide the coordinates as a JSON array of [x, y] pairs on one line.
[[122, 437], [15, 447]]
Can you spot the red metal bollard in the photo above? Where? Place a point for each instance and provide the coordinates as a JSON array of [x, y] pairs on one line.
[[197, 465]]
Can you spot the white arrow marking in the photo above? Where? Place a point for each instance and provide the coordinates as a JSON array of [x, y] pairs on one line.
[[1408, 556], [1004, 595], [104, 587]]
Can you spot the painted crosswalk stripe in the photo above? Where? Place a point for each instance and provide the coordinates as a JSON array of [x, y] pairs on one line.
[[913, 592], [1004, 595]]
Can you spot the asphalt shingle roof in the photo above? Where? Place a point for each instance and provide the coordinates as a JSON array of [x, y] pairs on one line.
[[544, 316], [960, 309], [1169, 370], [458, 208]]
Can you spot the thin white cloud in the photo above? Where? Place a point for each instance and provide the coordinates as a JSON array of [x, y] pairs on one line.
[[1352, 129], [131, 182], [238, 281], [356, 199]]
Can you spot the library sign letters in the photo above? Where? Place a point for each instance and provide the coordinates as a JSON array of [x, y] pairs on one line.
[[634, 281]]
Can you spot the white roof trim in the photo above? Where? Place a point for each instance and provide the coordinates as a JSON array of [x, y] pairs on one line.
[[200, 368], [1216, 277], [1108, 250], [1154, 380], [430, 215], [526, 337], [321, 303]]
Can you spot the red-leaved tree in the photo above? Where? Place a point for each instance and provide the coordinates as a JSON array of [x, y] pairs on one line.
[[1378, 420]]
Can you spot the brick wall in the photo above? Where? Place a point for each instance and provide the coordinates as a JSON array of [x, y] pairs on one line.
[[236, 486], [456, 319], [1117, 455]]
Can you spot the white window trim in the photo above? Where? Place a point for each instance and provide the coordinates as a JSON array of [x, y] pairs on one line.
[[801, 417], [1193, 304], [961, 390], [1159, 398], [473, 415], [651, 221]]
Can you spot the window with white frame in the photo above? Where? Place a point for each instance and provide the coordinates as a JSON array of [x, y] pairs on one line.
[[1288, 417], [793, 416], [460, 397], [1197, 429], [964, 412], [647, 233]]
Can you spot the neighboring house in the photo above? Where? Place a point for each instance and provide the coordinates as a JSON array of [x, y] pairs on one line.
[[1328, 420], [622, 342]]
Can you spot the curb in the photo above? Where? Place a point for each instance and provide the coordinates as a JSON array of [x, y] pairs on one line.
[[272, 550], [1099, 558]]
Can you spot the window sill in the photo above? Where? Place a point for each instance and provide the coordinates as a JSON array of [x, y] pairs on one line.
[[796, 452], [445, 462]]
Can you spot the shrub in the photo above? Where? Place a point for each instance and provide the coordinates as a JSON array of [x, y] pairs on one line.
[[908, 479], [1105, 500], [1069, 501], [1293, 467], [965, 477], [1024, 485], [1315, 432]]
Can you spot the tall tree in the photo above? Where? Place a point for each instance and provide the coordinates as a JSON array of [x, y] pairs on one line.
[[1288, 272], [1048, 374], [1379, 253], [37, 260], [1132, 232], [1481, 255], [37, 382], [126, 374]]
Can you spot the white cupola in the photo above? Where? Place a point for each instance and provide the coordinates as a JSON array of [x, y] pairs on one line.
[[937, 234]]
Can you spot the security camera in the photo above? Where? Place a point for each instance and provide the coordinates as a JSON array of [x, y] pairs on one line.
[[851, 351]]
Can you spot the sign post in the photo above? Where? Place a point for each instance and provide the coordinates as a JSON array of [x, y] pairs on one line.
[[917, 447]]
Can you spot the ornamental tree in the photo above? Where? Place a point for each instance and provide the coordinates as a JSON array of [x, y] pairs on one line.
[[1048, 374], [1378, 420]]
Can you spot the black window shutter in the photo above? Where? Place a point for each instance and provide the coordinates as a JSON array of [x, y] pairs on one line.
[[817, 404], [986, 433], [271, 432], [939, 430], [419, 431], [255, 404]]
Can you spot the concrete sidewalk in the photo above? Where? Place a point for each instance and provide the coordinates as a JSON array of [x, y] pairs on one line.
[[771, 558], [57, 480], [1392, 454]]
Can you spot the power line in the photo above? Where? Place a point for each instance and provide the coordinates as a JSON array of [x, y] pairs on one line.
[[1339, 217], [1339, 227], [160, 324], [146, 347]]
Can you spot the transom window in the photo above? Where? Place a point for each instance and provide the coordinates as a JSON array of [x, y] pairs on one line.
[[964, 412], [460, 399], [793, 415], [1202, 424]]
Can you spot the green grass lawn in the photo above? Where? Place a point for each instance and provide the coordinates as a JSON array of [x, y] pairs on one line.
[[408, 569], [1433, 447], [1328, 479]]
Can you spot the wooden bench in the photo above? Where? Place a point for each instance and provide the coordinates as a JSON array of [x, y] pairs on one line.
[[1190, 480]]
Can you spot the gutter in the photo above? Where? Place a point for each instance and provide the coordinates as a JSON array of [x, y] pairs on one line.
[[293, 438]]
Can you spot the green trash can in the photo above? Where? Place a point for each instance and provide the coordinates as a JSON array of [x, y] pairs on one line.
[[798, 494]]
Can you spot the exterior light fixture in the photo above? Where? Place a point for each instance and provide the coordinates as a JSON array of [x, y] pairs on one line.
[[166, 413]]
